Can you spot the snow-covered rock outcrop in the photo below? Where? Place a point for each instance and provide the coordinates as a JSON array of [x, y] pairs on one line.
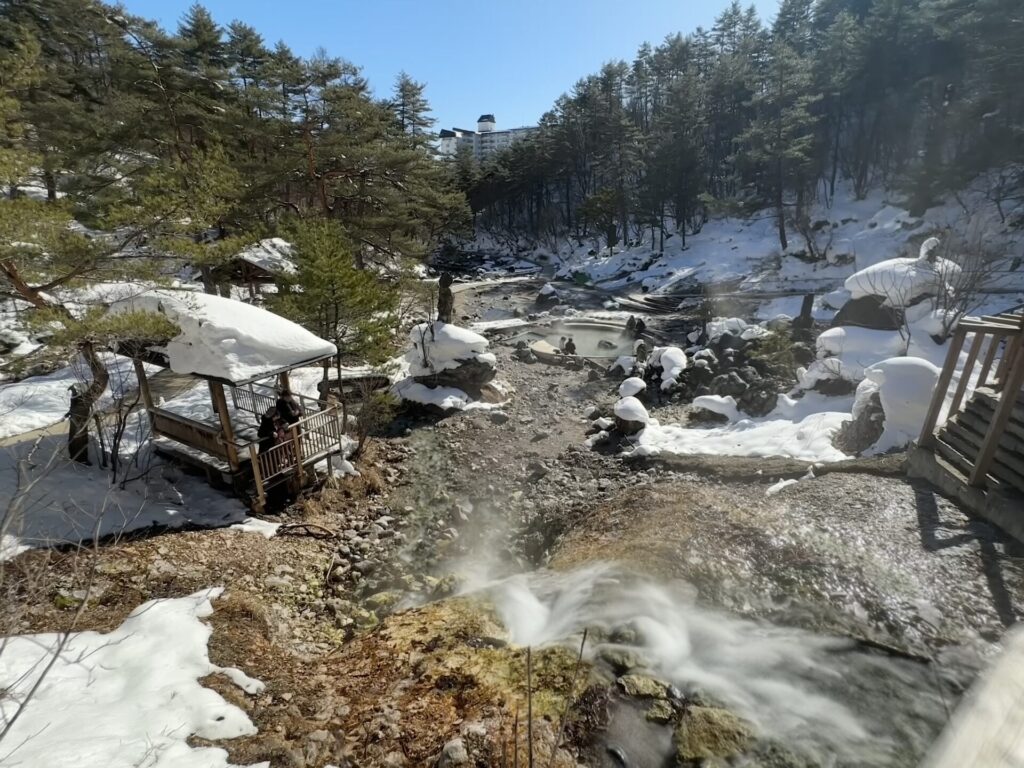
[[630, 415], [902, 282], [446, 366]]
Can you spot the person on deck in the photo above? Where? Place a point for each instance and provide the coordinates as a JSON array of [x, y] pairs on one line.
[[288, 407], [267, 433], [561, 344], [570, 346]]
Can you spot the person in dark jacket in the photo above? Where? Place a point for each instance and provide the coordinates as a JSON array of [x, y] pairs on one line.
[[267, 433], [570, 346], [639, 328], [288, 407]]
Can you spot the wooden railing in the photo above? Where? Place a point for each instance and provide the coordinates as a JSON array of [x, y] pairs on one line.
[[259, 398], [997, 341], [315, 436], [193, 433]]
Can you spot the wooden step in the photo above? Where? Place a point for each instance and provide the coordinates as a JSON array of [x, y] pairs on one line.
[[982, 407], [1011, 440], [964, 445]]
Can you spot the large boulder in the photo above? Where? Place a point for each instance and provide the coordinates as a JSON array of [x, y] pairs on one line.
[[707, 733], [868, 312], [630, 416], [446, 355]]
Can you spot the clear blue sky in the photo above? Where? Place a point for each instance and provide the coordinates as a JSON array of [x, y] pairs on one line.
[[509, 57]]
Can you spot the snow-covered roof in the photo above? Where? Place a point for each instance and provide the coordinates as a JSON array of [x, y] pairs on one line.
[[271, 254], [227, 339]]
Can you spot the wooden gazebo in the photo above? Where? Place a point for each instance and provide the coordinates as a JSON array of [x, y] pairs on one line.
[[245, 354]]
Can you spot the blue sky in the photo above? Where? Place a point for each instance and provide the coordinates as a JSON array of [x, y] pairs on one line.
[[509, 57]]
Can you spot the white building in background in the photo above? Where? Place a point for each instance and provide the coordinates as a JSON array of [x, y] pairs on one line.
[[484, 141]]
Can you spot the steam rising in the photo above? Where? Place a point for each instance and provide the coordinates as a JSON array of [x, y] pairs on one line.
[[791, 684]]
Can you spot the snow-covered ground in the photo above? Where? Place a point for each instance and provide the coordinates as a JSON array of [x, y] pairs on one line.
[[124, 699], [854, 234], [40, 401], [797, 429]]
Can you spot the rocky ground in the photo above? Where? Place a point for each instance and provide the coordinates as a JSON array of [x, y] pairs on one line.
[[347, 614]]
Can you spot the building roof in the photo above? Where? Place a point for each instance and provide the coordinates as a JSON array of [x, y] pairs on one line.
[[228, 340], [271, 254], [446, 134], [486, 119]]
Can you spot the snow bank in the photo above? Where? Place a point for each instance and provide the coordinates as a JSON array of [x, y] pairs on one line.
[[854, 349], [737, 327], [227, 339], [632, 386], [446, 398], [631, 409], [809, 439], [726, 406], [127, 698], [900, 281], [444, 346], [905, 385]]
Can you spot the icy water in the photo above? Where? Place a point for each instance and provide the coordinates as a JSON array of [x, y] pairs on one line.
[[821, 698]]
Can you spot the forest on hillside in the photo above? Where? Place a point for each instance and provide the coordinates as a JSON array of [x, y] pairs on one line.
[[918, 96], [207, 131]]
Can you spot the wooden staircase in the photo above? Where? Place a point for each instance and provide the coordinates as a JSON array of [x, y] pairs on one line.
[[961, 439], [982, 438]]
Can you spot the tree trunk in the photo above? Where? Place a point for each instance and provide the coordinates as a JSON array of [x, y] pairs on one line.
[[82, 405]]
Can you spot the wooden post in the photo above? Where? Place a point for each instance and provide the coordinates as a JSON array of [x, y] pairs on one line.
[[257, 477], [1007, 401], [140, 374], [283, 381], [990, 356], [927, 438], [220, 407], [297, 447], [965, 375]]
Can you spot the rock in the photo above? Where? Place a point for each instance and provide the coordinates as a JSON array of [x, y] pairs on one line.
[[621, 660], [857, 435], [365, 567], [383, 601], [868, 312], [498, 417], [660, 712], [707, 732], [728, 384], [643, 687], [469, 376], [277, 582], [803, 353], [454, 753]]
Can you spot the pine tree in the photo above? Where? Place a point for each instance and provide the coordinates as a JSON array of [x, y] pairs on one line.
[[411, 109]]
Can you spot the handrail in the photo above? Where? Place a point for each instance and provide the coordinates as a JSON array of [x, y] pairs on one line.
[[999, 338]]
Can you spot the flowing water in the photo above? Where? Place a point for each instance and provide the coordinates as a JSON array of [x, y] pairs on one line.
[[820, 697]]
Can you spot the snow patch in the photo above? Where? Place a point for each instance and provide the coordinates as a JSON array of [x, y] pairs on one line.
[[126, 698]]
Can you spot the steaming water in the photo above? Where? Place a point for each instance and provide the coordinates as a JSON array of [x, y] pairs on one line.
[[818, 696], [587, 340]]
